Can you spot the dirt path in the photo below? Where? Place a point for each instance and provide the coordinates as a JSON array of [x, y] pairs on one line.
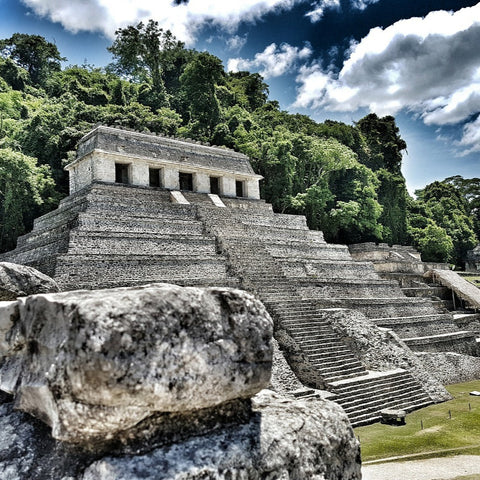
[[432, 469]]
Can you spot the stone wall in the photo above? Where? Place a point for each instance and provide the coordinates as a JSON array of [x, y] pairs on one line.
[[100, 150]]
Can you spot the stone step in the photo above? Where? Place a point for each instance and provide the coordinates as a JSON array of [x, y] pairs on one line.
[[381, 401], [135, 244], [383, 307], [323, 336], [305, 393], [326, 270], [426, 291], [326, 365], [139, 223], [396, 321], [321, 354], [320, 292], [310, 330], [327, 346], [354, 373], [386, 387], [360, 418], [304, 317], [372, 378], [463, 342]]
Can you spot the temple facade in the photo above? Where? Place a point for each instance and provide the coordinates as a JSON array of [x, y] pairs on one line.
[[114, 155]]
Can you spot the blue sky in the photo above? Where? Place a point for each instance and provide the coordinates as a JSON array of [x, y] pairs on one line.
[[418, 60]]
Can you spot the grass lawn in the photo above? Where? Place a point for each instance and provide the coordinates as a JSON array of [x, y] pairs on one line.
[[440, 432], [475, 279]]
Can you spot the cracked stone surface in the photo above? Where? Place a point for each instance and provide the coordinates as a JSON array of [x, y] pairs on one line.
[[286, 439], [20, 280], [283, 439], [94, 364]]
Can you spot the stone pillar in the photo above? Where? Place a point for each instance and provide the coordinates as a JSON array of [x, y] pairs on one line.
[[227, 186], [104, 169], [201, 183], [170, 177], [252, 189], [140, 176]]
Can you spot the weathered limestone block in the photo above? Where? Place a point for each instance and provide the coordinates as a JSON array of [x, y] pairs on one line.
[[95, 363], [286, 439], [20, 280]]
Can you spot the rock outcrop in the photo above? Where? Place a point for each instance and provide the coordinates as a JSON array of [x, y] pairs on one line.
[[94, 364], [294, 439], [156, 382], [20, 280]]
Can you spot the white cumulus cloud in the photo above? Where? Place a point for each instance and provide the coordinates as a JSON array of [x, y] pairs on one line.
[[320, 6], [319, 9], [236, 42], [430, 66], [273, 61], [183, 20], [470, 142]]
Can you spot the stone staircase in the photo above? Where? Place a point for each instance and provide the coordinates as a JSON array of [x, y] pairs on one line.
[[363, 398], [113, 235], [423, 318], [257, 254], [109, 235]]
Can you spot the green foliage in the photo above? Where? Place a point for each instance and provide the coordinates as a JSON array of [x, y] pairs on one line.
[[14, 76], [24, 189], [433, 242], [469, 189], [199, 81], [384, 141], [33, 53], [89, 86], [439, 223], [248, 90], [392, 195], [354, 217], [138, 55]]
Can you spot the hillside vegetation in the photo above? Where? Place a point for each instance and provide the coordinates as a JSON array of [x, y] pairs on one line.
[[346, 179]]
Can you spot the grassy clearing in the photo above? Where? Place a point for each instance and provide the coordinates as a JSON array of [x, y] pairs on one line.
[[475, 279], [440, 435]]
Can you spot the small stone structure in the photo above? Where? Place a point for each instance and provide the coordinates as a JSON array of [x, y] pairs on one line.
[[112, 155], [445, 341], [472, 263]]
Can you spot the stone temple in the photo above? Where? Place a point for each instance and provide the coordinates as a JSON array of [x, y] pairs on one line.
[[146, 208]]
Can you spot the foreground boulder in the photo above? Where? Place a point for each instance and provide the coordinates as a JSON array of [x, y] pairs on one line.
[[284, 439], [156, 382], [94, 365], [20, 280]]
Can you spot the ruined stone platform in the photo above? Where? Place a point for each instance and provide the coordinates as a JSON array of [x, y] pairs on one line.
[[110, 234]]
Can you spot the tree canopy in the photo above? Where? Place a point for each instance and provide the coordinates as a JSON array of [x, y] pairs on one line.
[[33, 53]]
